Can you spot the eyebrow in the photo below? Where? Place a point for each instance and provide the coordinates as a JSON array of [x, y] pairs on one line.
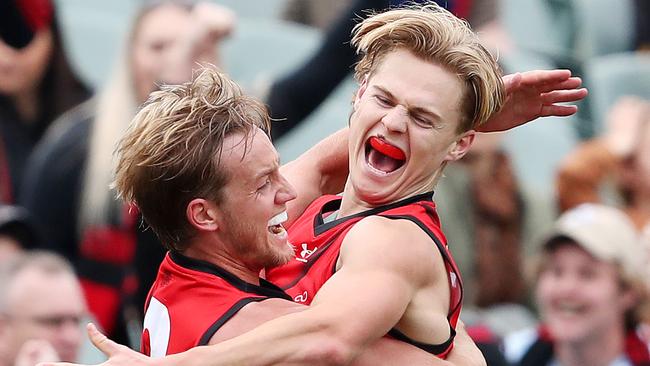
[[411, 110], [269, 169]]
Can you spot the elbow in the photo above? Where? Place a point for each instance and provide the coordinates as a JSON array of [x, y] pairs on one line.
[[334, 352]]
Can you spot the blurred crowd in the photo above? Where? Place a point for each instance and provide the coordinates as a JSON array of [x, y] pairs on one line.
[[555, 260]]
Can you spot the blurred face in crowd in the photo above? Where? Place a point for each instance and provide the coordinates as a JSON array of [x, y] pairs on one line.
[[43, 306], [254, 202], [157, 41], [21, 70], [404, 127], [580, 296]]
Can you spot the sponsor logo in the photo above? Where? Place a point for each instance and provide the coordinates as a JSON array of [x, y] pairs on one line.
[[302, 297], [453, 279], [305, 253]]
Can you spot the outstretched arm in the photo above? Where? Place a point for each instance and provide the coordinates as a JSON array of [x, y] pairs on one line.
[[534, 94]]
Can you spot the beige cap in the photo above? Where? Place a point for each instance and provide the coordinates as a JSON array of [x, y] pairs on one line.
[[606, 233]]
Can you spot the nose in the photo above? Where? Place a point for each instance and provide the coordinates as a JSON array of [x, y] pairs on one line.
[[396, 119], [286, 192], [68, 339]]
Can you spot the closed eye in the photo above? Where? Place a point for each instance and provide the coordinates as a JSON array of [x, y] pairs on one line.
[[267, 183], [383, 101]]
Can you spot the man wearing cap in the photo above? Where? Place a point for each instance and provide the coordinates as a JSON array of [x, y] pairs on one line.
[[590, 292]]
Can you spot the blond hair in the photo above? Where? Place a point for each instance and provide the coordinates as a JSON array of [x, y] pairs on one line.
[[170, 154], [435, 35]]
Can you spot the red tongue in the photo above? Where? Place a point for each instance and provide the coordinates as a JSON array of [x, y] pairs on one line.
[[387, 149]]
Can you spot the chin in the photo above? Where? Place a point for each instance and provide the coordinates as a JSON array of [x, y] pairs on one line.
[[568, 332]]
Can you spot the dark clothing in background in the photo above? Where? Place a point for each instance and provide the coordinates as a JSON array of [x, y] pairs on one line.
[[59, 91], [116, 261]]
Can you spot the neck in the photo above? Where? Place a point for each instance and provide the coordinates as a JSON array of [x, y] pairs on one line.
[[353, 203], [598, 350], [26, 104], [219, 255]]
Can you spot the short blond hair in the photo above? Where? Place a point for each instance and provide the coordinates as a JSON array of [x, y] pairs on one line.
[[171, 153], [435, 35]]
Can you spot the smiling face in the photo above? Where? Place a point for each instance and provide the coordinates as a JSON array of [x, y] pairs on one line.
[[404, 128], [254, 201], [580, 296]]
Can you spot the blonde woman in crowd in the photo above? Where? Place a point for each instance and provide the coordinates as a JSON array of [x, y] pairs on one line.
[[67, 185]]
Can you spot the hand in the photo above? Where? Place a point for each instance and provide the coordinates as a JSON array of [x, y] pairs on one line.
[[624, 122], [213, 21], [534, 94], [35, 351], [118, 355]]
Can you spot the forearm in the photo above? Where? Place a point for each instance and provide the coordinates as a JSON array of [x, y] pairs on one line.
[[333, 163], [292, 339]]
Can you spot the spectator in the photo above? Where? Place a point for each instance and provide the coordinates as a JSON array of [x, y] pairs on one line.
[[621, 156], [70, 171], [41, 307], [36, 84], [591, 290]]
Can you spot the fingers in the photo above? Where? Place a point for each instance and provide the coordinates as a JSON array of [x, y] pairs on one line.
[[539, 77], [564, 96], [56, 364], [570, 83], [558, 110], [100, 341]]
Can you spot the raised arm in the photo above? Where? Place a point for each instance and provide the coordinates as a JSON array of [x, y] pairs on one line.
[[321, 170]]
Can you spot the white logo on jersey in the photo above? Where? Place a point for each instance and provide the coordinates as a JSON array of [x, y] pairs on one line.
[[156, 320], [305, 253], [453, 279], [302, 297]]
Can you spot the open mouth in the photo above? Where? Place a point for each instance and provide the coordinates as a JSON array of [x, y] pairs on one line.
[[274, 225], [383, 156]]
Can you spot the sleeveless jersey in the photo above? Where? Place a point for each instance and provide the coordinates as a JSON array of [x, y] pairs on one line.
[[317, 245], [190, 300]]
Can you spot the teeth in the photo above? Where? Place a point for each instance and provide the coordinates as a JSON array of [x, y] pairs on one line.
[[278, 219]]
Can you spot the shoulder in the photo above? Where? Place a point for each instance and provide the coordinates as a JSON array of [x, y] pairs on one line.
[[254, 314], [400, 244]]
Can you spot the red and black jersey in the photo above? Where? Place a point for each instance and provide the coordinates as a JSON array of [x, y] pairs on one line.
[[317, 245], [190, 300]]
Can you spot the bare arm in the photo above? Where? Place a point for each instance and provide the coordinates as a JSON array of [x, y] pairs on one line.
[[352, 310], [321, 170]]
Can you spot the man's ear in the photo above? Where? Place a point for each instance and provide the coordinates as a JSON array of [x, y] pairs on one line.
[[461, 146], [202, 214], [362, 89]]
